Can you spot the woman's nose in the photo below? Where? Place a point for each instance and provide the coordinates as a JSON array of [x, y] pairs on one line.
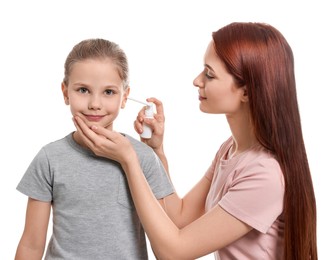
[[197, 82]]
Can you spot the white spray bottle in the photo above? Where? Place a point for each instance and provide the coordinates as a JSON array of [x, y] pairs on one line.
[[147, 131]]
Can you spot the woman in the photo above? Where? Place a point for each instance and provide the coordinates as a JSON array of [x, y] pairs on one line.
[[256, 201]]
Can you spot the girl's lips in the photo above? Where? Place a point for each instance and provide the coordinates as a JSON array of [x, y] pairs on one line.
[[202, 98], [93, 118]]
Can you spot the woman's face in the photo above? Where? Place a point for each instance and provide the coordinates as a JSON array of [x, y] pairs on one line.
[[218, 93]]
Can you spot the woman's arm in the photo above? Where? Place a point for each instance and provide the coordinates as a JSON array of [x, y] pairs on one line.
[[181, 210], [212, 231], [32, 242], [204, 235]]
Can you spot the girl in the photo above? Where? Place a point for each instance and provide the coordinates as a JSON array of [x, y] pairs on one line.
[[93, 213]]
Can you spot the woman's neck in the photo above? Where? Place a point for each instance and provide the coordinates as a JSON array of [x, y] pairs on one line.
[[242, 132]]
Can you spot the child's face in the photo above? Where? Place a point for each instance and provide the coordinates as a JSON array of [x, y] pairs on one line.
[[95, 92]]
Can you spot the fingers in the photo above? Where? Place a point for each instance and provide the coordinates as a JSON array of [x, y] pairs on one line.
[[138, 127], [157, 123], [151, 122], [104, 142], [93, 133], [138, 123], [158, 103], [105, 133], [84, 131]]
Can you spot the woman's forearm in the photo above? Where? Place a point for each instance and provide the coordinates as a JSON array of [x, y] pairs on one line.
[[162, 232], [162, 156], [183, 211]]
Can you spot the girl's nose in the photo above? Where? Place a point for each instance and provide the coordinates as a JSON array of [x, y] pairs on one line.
[[94, 102]]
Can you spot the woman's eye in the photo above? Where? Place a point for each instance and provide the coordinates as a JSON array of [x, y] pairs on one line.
[[109, 92], [208, 76], [83, 90]]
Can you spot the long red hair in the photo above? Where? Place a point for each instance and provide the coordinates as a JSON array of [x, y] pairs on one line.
[[259, 57]]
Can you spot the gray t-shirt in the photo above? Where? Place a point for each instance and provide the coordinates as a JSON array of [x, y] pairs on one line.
[[93, 213]]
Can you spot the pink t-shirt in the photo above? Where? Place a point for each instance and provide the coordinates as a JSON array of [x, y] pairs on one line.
[[249, 186]]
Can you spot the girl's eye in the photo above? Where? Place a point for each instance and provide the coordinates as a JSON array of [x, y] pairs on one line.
[[109, 92], [83, 90]]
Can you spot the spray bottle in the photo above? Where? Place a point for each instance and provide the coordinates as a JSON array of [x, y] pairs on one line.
[[147, 131]]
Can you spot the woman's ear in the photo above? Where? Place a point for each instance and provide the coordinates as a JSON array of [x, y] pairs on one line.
[[245, 97], [64, 90], [125, 95]]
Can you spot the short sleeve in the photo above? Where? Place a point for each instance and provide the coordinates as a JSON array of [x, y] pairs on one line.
[[256, 194], [215, 163], [211, 170], [153, 169], [156, 176], [37, 180]]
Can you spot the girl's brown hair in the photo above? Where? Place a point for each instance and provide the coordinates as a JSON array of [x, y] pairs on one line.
[[259, 57], [98, 49]]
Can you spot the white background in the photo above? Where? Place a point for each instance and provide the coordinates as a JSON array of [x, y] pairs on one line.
[[165, 42]]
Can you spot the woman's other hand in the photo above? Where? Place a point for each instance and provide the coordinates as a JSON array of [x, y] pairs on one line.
[[104, 142]]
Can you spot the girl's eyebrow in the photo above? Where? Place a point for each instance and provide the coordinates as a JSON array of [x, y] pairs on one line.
[[86, 85], [80, 84], [111, 87]]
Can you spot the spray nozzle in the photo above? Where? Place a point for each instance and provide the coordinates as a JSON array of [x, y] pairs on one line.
[[149, 105]]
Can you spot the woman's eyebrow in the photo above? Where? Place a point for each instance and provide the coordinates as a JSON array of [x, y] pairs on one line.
[[208, 66]]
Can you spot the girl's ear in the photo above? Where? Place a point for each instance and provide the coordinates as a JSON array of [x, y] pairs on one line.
[[64, 90], [245, 97], [125, 95]]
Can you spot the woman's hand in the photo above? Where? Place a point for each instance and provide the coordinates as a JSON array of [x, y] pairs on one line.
[[157, 125], [105, 143]]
